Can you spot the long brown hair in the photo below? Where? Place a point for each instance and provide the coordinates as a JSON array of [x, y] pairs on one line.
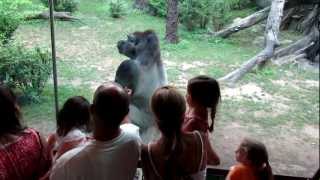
[[169, 107], [257, 154], [205, 91], [9, 112], [74, 114]]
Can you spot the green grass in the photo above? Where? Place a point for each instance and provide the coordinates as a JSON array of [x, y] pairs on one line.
[[87, 56], [44, 111]]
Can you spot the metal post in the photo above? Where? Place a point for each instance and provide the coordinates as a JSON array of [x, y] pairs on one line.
[[54, 65]]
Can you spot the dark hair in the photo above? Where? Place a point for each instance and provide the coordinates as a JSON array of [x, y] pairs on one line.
[[257, 154], [169, 107], [111, 104], [74, 114], [9, 112], [205, 91]]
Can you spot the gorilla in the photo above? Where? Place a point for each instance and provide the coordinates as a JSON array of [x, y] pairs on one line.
[[143, 73]]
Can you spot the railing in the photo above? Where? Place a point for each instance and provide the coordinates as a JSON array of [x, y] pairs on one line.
[[220, 174]]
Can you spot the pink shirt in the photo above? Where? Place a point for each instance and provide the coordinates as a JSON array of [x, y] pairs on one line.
[[193, 122], [25, 158]]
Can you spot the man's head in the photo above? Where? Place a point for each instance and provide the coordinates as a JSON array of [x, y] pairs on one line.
[[110, 105]]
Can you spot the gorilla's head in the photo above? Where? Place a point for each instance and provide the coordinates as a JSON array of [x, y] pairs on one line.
[[138, 43], [127, 47]]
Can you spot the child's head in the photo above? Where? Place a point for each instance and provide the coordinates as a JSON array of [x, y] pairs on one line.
[[110, 106], [204, 91], [74, 114], [255, 153], [169, 106]]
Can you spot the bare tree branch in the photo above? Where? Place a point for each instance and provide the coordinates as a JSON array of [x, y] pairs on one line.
[[243, 23], [271, 41]]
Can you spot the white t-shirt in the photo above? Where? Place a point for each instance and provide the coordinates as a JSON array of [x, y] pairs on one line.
[[116, 159]]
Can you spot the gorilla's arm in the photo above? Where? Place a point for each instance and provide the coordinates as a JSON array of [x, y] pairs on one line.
[[128, 74]]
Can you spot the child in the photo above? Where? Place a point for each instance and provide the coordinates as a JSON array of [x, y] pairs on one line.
[[253, 162], [72, 120], [203, 94], [176, 154]]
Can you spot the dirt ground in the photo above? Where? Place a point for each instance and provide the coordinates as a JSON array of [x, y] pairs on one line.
[[289, 153]]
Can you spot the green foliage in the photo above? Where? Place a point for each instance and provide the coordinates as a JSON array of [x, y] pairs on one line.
[[238, 4], [24, 70], [195, 13], [9, 18], [8, 24], [219, 13], [63, 5], [158, 7], [116, 9], [12, 13], [14, 6], [200, 13]]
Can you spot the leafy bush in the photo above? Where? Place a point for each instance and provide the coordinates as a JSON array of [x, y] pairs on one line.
[[158, 7], [8, 24], [24, 70], [9, 18], [12, 13], [63, 5], [200, 13], [238, 4], [195, 13], [219, 13], [116, 9]]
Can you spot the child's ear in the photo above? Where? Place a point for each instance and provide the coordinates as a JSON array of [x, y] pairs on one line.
[[245, 154], [188, 99]]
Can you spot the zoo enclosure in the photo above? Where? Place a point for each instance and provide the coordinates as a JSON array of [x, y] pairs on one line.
[[212, 173]]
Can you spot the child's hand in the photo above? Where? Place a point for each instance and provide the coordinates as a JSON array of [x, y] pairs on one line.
[[126, 120], [129, 91]]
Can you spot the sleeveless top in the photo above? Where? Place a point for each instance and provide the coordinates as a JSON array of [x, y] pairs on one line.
[[153, 173], [25, 158]]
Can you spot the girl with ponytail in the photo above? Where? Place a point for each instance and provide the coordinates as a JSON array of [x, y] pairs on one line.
[[253, 161], [176, 155], [203, 96]]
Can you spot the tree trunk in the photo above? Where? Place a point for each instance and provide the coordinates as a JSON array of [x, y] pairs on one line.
[[271, 41], [64, 16], [141, 4], [243, 23], [172, 21]]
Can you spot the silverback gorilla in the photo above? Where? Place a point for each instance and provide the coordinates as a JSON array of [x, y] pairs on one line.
[[143, 73]]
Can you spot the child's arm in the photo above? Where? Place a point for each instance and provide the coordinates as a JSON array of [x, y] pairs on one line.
[[51, 140], [212, 156]]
